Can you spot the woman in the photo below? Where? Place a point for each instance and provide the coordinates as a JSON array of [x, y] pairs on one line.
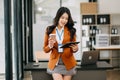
[[62, 62]]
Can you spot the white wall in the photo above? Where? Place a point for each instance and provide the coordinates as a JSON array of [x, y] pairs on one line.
[[109, 6]]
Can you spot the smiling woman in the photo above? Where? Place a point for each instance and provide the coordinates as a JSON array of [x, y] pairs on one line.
[[62, 63]]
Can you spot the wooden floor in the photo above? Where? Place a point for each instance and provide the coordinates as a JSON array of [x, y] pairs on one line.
[[27, 75], [111, 75]]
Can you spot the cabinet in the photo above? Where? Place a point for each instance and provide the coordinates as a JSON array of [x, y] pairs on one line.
[[95, 27], [115, 39], [102, 31]]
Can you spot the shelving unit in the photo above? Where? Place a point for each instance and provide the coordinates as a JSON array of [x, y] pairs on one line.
[[101, 31], [88, 11], [115, 38]]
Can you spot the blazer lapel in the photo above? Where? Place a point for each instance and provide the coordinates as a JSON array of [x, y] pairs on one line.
[[66, 35]]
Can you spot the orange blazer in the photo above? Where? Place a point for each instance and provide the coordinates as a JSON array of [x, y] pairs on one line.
[[67, 55]]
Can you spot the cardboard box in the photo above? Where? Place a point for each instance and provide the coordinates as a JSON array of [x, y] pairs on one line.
[[88, 8], [102, 40]]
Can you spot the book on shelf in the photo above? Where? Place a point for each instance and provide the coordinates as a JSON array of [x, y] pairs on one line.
[[115, 40], [102, 39]]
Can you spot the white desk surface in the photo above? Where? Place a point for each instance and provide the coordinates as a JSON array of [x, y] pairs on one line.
[[111, 47]]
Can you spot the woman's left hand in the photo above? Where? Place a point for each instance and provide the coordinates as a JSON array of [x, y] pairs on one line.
[[74, 47]]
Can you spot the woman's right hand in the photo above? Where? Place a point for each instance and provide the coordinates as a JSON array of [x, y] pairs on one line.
[[51, 42]]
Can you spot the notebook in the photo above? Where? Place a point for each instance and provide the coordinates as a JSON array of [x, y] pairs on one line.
[[89, 57]]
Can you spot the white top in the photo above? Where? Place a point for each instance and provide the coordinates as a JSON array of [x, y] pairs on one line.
[[59, 35]]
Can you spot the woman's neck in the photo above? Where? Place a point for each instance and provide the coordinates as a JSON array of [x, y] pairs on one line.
[[60, 27]]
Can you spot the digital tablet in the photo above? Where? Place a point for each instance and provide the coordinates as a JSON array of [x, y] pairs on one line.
[[68, 44]]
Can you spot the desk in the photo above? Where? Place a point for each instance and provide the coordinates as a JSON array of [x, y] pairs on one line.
[[112, 57], [91, 72], [111, 47]]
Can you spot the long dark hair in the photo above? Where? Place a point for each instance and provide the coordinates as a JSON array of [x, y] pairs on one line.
[[69, 24]]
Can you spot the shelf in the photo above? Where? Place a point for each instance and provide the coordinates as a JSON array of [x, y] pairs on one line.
[[115, 14], [102, 29], [103, 25], [112, 47], [115, 58], [115, 40], [103, 19], [88, 20], [115, 19], [114, 35], [116, 25]]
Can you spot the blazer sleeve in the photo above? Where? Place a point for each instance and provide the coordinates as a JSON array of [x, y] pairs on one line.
[[74, 39]]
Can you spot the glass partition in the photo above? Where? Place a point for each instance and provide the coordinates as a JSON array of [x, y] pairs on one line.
[[2, 41], [44, 12]]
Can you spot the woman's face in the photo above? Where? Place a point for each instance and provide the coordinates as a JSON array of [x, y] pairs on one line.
[[63, 20]]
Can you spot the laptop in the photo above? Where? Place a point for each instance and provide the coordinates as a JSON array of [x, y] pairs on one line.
[[89, 57]]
